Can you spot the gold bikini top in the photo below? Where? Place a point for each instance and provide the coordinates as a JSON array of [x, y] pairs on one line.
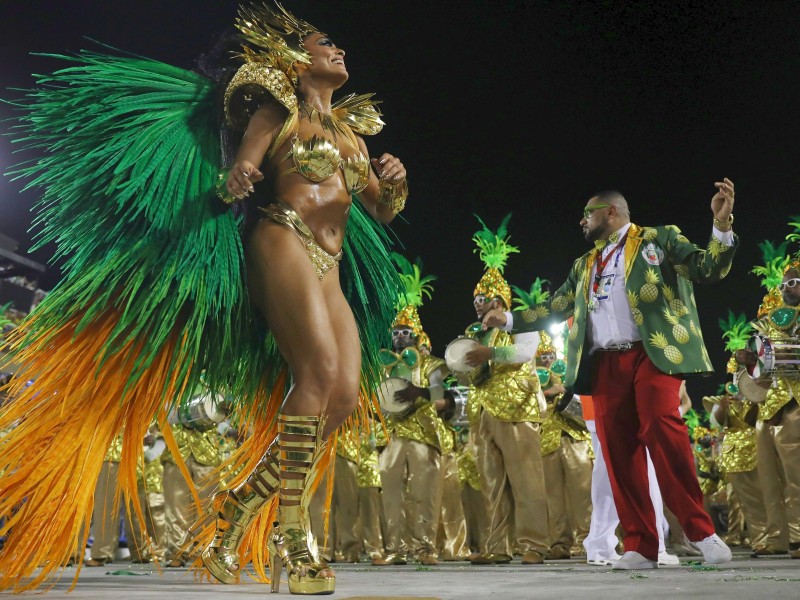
[[318, 158]]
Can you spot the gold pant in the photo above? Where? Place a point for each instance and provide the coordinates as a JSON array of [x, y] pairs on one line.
[[737, 528], [476, 513], [370, 509], [512, 478], [747, 490], [778, 453], [568, 478], [452, 525], [179, 508], [106, 520], [411, 473], [343, 519]]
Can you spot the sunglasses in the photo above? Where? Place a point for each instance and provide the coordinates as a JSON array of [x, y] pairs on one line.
[[788, 284], [588, 210], [401, 333], [481, 300]]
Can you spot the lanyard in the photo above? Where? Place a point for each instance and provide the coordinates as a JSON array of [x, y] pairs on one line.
[[603, 262]]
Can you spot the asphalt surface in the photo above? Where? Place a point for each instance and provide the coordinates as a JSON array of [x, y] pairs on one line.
[[742, 578]]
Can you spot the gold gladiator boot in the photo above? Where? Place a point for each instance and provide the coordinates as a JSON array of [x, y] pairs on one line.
[[235, 510], [291, 544]]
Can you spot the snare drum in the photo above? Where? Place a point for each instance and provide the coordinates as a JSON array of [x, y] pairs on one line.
[[460, 395], [774, 357], [202, 412], [455, 357], [386, 397]]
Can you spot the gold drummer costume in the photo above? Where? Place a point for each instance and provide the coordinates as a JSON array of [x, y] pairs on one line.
[[411, 461], [778, 424], [509, 401]]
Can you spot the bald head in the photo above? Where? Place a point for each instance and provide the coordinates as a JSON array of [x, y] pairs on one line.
[[604, 213], [614, 198]]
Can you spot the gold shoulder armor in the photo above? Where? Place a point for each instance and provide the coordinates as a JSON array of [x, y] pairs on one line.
[[359, 113], [254, 84]]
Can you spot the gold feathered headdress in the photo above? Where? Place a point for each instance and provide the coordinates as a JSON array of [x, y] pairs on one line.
[[276, 44], [415, 289], [493, 250]]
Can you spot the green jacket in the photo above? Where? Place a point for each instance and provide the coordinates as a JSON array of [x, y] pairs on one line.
[[660, 266]]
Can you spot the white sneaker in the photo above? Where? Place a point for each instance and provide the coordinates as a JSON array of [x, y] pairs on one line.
[[665, 558], [603, 562], [714, 550], [633, 561]]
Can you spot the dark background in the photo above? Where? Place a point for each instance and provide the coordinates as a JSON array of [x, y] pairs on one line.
[[522, 107]]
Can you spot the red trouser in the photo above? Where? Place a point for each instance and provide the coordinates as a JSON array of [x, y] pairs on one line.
[[636, 405]]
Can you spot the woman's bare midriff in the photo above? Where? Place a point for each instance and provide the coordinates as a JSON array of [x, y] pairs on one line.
[[324, 207]]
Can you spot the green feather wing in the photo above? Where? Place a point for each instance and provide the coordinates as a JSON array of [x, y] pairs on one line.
[[371, 285], [126, 153]]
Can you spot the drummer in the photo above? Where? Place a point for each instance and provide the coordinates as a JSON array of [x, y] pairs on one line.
[[778, 424], [411, 462], [509, 411], [567, 459]]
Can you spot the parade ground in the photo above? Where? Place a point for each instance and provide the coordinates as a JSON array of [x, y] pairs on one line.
[[743, 578]]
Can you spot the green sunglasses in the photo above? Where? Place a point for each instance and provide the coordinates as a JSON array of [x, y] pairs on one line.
[[587, 210]]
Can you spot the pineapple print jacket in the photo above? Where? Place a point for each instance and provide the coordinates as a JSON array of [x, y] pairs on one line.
[[660, 266]]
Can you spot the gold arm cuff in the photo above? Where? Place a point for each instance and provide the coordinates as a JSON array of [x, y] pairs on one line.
[[724, 226], [221, 188], [393, 194]]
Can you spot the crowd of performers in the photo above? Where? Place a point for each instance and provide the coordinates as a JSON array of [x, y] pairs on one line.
[[500, 460], [216, 360]]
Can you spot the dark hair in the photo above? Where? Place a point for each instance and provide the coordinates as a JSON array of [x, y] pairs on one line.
[[219, 65]]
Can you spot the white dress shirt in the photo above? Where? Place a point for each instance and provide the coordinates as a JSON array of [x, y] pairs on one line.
[[611, 321]]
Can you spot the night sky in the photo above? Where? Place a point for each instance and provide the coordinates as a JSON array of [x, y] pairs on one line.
[[521, 107]]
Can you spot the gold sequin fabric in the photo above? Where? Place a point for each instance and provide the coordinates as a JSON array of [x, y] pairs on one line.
[[778, 396], [348, 447], [204, 446], [738, 453], [114, 453], [468, 468], [422, 426], [369, 473], [152, 476], [510, 394], [738, 449]]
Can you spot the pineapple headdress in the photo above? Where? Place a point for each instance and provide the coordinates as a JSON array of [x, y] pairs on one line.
[[776, 261], [794, 261], [545, 344], [529, 301], [415, 289], [736, 331], [493, 250]]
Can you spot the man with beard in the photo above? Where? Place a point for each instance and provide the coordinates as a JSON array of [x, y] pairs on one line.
[[633, 309], [510, 404], [411, 461]]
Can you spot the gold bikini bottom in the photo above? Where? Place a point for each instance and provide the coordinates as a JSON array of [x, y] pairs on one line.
[[322, 260]]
